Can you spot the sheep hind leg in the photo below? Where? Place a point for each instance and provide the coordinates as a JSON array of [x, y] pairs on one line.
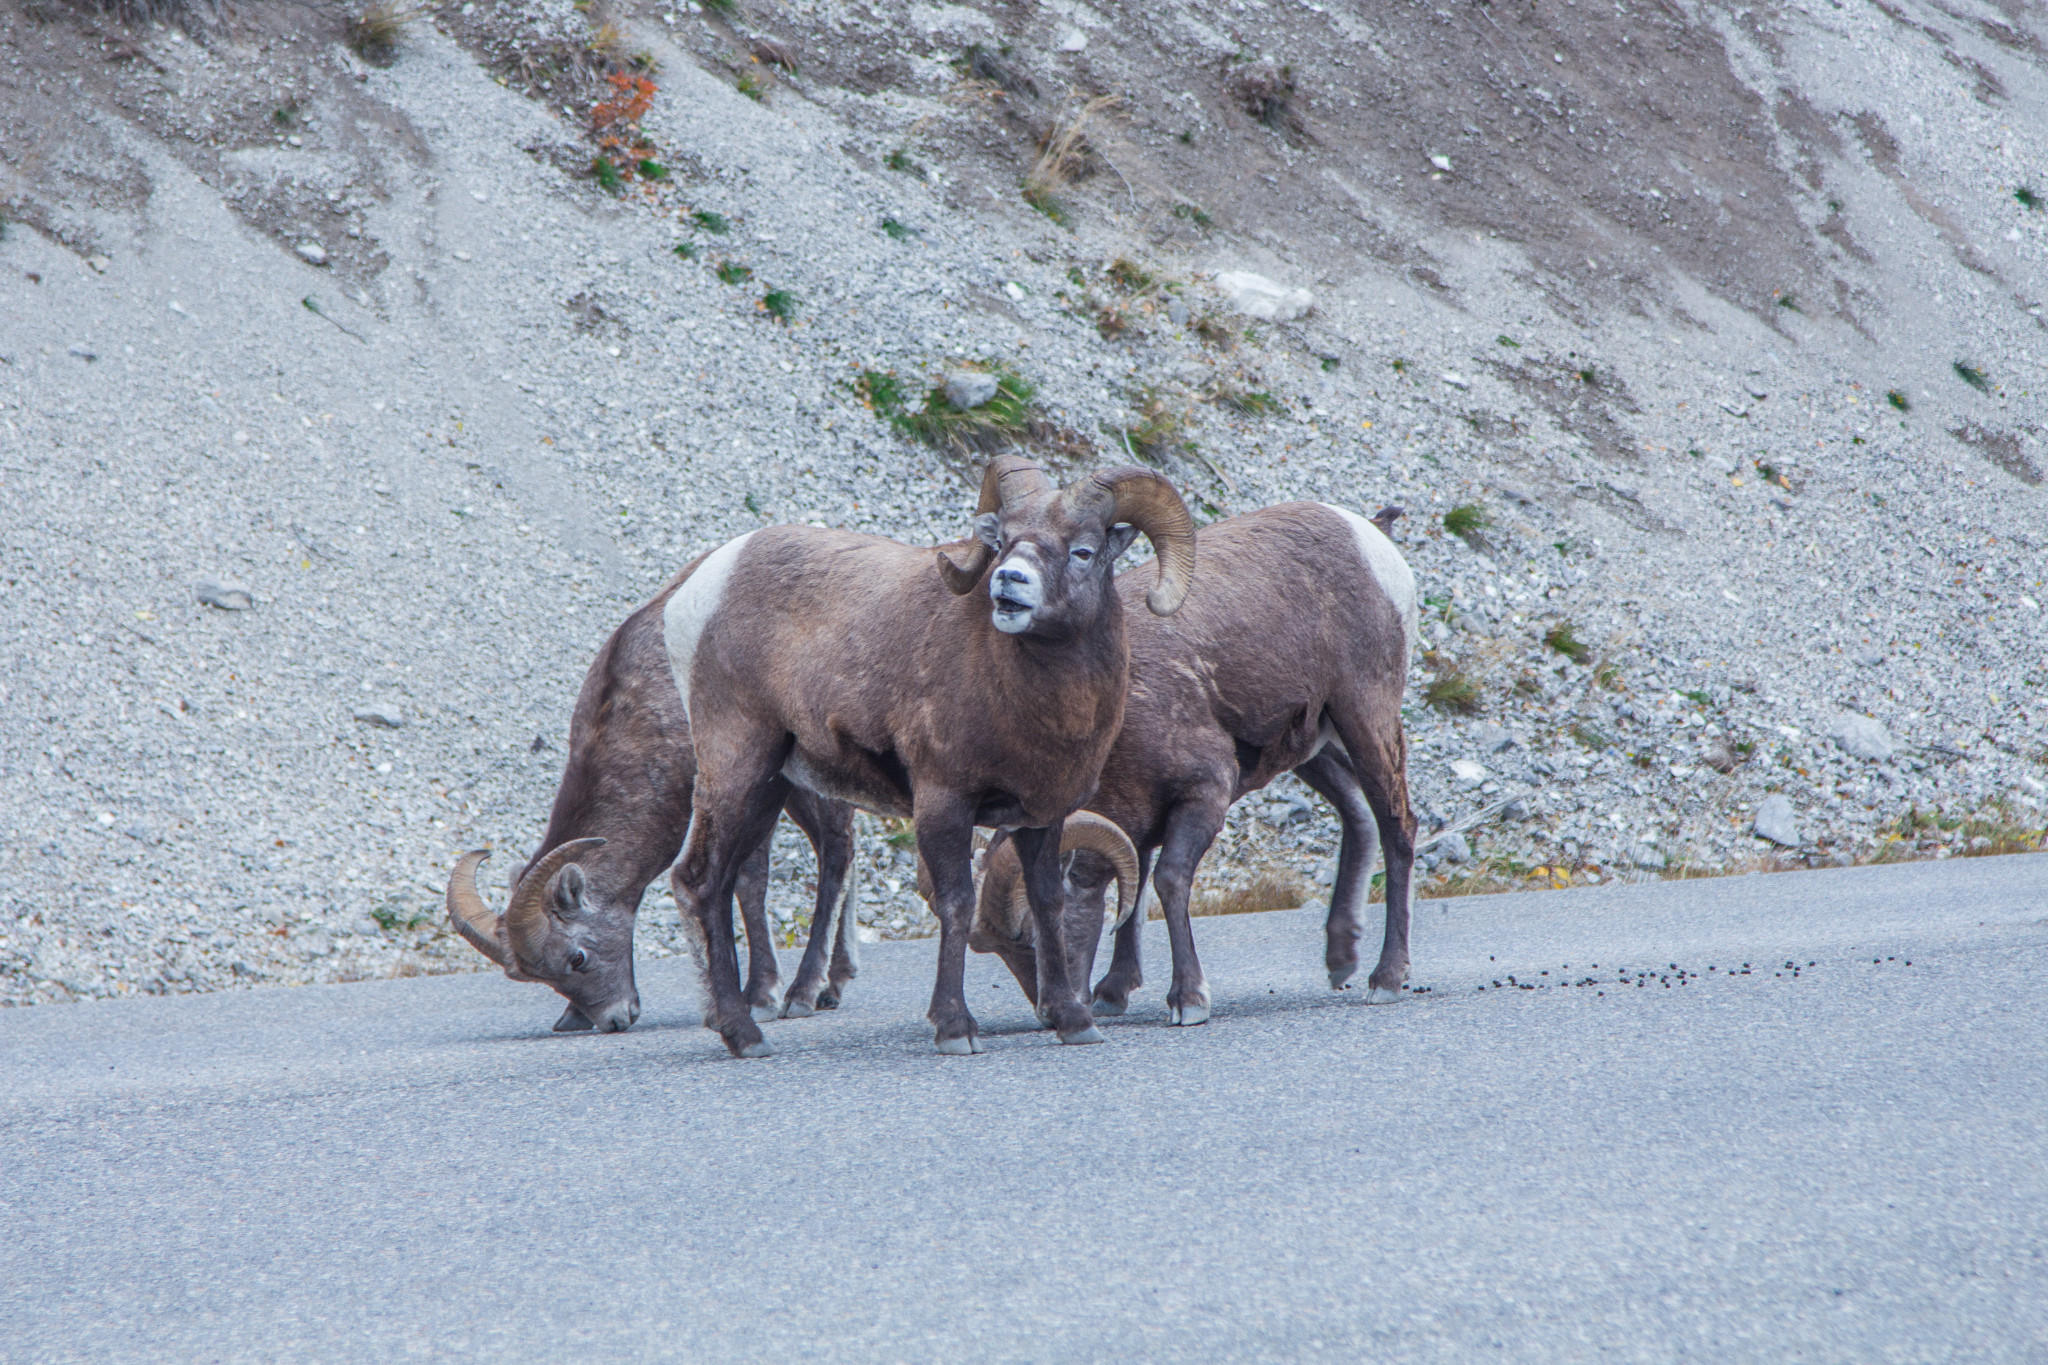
[[1333, 780], [750, 889], [1126, 963], [1379, 760], [729, 819], [829, 826], [1190, 829]]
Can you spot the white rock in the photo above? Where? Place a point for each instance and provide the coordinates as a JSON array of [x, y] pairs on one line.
[[969, 388], [1774, 821], [1258, 297], [1862, 737], [384, 717], [1454, 848], [1442, 163], [1469, 771], [99, 264], [312, 253], [1073, 40], [227, 596]]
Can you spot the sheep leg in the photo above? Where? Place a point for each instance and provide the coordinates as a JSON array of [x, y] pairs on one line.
[[750, 887], [945, 845], [1087, 889], [1190, 829], [829, 826], [1379, 759], [1059, 1003], [731, 816], [1333, 779], [1126, 963], [846, 940]]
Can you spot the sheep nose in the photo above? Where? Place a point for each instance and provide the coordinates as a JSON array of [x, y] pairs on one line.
[[1009, 575], [619, 1017]]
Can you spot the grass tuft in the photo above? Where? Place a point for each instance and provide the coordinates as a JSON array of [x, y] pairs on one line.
[[732, 272], [689, 251], [1062, 158], [1506, 340], [1559, 639], [1466, 519], [608, 177], [1194, 215], [779, 304], [1047, 203], [1214, 331], [1897, 398], [898, 231], [1452, 691], [1003, 420], [2026, 197], [752, 86], [1972, 376], [712, 223], [899, 160], [1272, 889], [1130, 275], [374, 33], [1790, 301], [653, 170]]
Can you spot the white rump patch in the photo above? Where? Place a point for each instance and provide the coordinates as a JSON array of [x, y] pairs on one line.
[[691, 608], [1395, 578]]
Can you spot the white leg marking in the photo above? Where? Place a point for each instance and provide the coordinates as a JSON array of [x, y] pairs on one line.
[[1395, 578], [691, 608]]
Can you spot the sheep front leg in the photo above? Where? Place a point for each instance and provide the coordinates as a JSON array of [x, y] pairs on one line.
[[750, 888], [1059, 1005], [945, 844]]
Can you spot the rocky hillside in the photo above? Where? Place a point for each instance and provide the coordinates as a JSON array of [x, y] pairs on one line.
[[359, 370]]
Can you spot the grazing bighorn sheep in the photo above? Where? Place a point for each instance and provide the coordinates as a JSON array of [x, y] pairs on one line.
[[859, 669], [619, 819], [1292, 653]]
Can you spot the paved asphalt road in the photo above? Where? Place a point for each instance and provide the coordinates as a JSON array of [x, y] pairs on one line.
[[1847, 1164]]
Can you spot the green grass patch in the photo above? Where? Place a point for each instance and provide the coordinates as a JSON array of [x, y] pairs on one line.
[[713, 223], [732, 272], [2026, 197], [1591, 736], [1003, 420], [1466, 519], [653, 170], [1130, 275], [687, 250], [1897, 398], [899, 160], [779, 304], [1560, 639], [394, 917], [1193, 214], [1452, 691], [752, 86], [1047, 203], [1972, 376], [608, 177], [1790, 301], [1505, 340], [898, 232]]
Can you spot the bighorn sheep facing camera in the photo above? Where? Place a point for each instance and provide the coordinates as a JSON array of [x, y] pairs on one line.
[[1291, 653], [619, 818], [859, 669]]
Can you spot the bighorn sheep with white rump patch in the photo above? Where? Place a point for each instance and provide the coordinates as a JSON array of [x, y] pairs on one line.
[[1291, 652], [854, 667], [619, 818]]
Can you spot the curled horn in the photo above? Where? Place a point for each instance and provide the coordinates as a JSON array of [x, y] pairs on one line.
[[1147, 501], [1084, 829], [468, 913], [526, 915], [1007, 476]]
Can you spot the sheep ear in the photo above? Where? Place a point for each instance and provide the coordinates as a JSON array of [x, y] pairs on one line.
[[568, 893], [988, 529], [1116, 540]]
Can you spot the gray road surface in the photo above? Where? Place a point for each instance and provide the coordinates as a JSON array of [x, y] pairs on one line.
[[1847, 1164]]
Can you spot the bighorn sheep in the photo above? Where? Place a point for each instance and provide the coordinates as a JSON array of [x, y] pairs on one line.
[[857, 668], [1291, 653], [619, 819]]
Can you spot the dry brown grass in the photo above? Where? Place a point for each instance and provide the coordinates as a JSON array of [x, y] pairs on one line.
[[1063, 158], [1270, 889], [374, 33]]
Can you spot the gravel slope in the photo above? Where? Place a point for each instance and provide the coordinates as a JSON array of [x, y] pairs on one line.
[[444, 462]]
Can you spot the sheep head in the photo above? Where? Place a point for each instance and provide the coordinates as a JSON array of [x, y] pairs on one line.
[[553, 931], [1054, 550]]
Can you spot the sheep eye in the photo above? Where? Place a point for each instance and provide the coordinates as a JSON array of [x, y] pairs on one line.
[[579, 960], [1083, 553]]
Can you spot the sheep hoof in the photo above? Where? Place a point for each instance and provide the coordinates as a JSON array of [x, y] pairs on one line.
[[1109, 1007], [1340, 975], [759, 1049], [796, 1009], [762, 1013], [1091, 1034], [966, 1046], [1188, 1015], [1380, 995]]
